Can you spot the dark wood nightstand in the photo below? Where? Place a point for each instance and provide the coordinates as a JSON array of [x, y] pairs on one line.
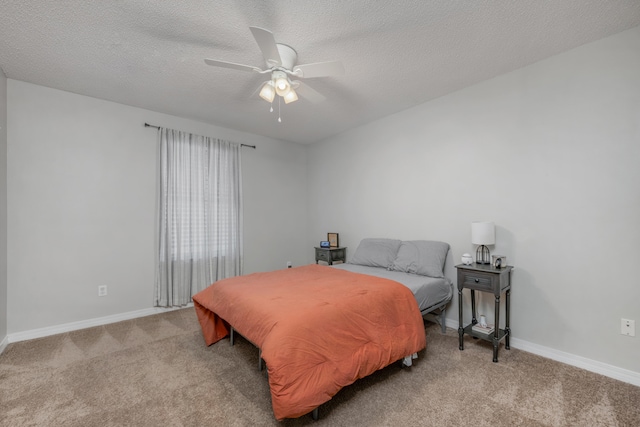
[[485, 278], [330, 255]]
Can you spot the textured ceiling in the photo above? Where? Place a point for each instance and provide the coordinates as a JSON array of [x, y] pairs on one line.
[[397, 54]]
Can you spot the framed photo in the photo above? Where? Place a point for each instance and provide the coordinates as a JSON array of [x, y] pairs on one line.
[[333, 240]]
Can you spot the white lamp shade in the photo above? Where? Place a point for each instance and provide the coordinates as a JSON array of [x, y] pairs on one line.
[[268, 92], [483, 233], [282, 86], [290, 96]]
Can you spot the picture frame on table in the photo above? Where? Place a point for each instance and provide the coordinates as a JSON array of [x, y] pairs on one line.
[[333, 239]]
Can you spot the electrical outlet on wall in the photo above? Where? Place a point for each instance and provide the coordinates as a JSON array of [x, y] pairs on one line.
[[628, 327], [102, 290], [288, 264]]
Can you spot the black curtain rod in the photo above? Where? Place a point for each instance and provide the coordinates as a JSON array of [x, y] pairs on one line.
[[147, 125]]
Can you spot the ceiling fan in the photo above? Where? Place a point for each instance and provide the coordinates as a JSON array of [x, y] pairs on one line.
[[281, 65]]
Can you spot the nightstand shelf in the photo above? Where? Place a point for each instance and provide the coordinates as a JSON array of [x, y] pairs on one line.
[[487, 337], [485, 278]]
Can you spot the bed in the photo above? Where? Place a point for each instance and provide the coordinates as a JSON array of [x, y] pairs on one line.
[[320, 328]]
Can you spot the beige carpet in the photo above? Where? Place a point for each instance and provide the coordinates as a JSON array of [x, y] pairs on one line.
[[156, 371]]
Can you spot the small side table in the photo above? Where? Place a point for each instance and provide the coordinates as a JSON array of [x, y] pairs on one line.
[[331, 254], [485, 278]]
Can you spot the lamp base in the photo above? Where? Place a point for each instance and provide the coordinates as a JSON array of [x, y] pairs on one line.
[[483, 256]]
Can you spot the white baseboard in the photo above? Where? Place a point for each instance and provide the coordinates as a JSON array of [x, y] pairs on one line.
[[83, 324], [4, 343], [607, 370]]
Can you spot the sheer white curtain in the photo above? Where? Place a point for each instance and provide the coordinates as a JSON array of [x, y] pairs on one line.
[[199, 215]]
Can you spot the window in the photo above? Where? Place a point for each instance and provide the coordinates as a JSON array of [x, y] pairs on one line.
[[199, 215]]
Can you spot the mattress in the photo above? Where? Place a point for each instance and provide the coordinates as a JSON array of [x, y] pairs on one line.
[[428, 291]]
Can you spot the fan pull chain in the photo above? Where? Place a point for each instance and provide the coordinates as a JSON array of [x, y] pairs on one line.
[[279, 119]]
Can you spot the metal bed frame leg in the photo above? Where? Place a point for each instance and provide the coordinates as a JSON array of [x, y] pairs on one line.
[[437, 316], [232, 342], [443, 320], [407, 361]]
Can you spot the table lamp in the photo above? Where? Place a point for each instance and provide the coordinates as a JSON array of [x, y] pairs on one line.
[[483, 233]]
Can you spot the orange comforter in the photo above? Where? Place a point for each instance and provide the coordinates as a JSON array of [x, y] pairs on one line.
[[319, 328]]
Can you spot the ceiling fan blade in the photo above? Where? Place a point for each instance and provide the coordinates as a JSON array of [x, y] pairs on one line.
[[319, 69], [233, 65], [267, 44], [307, 92]]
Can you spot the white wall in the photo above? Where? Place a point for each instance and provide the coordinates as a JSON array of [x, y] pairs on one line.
[[550, 153], [3, 209], [81, 203]]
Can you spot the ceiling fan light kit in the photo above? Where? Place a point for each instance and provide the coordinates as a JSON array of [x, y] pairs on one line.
[[281, 63], [280, 85]]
